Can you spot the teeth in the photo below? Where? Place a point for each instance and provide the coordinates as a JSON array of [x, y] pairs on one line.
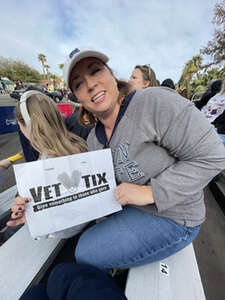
[[98, 96]]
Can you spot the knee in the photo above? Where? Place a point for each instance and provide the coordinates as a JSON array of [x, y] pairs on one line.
[[87, 252], [82, 252]]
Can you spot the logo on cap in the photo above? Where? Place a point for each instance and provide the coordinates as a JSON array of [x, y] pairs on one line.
[[74, 52]]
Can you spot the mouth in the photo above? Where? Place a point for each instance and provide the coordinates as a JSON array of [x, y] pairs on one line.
[[99, 97]]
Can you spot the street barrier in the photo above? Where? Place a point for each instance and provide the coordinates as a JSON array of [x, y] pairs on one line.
[[7, 120], [8, 123], [65, 109]]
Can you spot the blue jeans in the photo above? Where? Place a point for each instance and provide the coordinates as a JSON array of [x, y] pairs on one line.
[[132, 238], [222, 137]]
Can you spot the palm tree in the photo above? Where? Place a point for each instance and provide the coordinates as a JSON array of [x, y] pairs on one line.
[[190, 69], [47, 67], [42, 59]]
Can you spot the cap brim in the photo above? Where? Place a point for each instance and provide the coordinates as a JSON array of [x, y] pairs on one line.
[[84, 54]]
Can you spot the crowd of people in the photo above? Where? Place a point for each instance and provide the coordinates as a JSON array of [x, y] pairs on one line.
[[161, 162], [212, 106]]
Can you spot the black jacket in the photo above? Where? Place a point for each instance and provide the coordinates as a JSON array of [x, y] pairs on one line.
[[212, 90], [219, 123], [72, 125]]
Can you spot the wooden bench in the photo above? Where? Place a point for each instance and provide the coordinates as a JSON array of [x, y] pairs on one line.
[[174, 278], [6, 200], [183, 280], [23, 260]]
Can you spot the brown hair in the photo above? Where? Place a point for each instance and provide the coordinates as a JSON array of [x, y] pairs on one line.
[[148, 74], [48, 133]]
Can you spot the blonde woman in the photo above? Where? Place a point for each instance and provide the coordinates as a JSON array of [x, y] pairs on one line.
[[41, 123], [142, 77]]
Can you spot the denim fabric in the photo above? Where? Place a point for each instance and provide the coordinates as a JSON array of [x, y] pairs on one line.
[[222, 137], [132, 238], [70, 281]]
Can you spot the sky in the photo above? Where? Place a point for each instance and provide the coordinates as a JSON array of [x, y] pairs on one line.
[[162, 33]]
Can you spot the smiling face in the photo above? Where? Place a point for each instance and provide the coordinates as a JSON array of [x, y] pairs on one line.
[[95, 87], [137, 81]]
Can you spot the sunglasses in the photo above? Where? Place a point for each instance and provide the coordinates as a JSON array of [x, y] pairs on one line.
[[149, 71]]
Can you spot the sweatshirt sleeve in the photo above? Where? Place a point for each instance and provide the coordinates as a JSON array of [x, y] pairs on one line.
[[199, 152]]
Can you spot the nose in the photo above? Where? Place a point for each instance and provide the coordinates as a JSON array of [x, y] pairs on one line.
[[91, 83]]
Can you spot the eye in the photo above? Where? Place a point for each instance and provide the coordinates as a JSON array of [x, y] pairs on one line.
[[77, 85], [95, 70]]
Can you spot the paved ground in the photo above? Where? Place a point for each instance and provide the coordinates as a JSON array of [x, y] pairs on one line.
[[210, 250], [9, 145], [6, 100]]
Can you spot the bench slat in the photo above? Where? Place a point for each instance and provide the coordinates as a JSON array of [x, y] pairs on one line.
[[183, 282], [6, 199], [22, 260]]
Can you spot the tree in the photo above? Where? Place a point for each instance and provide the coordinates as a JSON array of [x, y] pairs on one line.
[[47, 67], [202, 79], [61, 66], [216, 47], [189, 70], [42, 59], [18, 70]]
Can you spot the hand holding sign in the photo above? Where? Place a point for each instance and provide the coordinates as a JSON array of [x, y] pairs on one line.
[[18, 211], [66, 191]]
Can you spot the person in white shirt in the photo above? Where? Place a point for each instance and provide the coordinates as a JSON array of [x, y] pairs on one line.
[[215, 106]]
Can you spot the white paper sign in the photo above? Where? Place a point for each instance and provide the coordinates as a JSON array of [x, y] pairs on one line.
[[67, 191]]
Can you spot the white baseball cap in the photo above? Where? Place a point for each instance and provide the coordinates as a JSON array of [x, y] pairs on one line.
[[75, 56]]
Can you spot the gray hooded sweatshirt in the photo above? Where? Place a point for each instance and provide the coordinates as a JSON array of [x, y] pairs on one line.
[[162, 140]]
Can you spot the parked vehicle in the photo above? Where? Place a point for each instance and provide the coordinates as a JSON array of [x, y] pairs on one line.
[[56, 95], [16, 94], [8, 84]]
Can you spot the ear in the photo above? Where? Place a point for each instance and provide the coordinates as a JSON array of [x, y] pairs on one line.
[[146, 84]]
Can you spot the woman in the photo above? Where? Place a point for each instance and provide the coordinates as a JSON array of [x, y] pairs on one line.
[[213, 88], [162, 163], [142, 77], [214, 111], [216, 105], [41, 123]]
